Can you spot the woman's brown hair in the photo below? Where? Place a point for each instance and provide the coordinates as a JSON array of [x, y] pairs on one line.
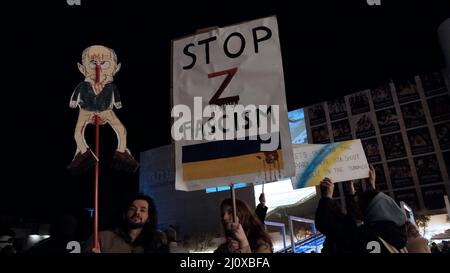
[[253, 228]]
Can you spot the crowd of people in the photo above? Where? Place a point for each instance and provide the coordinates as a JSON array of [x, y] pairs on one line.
[[137, 232], [369, 218]]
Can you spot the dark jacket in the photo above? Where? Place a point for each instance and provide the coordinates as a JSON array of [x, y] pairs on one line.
[[261, 212], [328, 215], [117, 241], [89, 101], [346, 236]]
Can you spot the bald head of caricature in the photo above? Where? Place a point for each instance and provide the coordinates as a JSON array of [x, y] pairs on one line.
[[99, 65]]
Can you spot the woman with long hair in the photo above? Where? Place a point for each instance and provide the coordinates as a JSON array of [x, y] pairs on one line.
[[245, 235]]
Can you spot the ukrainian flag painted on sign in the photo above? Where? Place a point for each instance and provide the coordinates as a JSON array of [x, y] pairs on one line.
[[323, 160], [227, 158]]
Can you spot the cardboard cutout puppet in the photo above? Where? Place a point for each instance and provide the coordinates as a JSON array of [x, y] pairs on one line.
[[95, 97]]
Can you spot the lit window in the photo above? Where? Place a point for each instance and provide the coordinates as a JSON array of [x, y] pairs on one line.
[[225, 188]]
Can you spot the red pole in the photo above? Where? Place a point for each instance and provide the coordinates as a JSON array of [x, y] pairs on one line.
[[95, 242]]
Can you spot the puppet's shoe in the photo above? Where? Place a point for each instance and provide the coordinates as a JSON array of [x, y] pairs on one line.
[[82, 162], [124, 161]]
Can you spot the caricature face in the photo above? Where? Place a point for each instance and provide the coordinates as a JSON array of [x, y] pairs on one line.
[[99, 64]]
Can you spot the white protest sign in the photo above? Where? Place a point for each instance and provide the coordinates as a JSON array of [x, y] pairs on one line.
[[339, 161], [228, 83]]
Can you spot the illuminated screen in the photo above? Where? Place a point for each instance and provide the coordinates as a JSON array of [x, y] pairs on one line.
[[297, 126]]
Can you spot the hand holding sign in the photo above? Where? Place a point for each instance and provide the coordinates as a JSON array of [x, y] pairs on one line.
[[327, 187], [372, 178]]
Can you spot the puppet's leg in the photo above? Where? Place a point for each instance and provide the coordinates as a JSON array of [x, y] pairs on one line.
[[84, 118], [118, 128], [123, 160], [84, 158]]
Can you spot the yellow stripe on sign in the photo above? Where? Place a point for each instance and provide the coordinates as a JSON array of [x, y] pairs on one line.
[[323, 169], [231, 166]]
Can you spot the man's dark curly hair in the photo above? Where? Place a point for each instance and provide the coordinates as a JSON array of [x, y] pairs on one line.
[[149, 236]]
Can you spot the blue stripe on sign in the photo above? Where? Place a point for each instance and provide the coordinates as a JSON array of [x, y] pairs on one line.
[[222, 149]]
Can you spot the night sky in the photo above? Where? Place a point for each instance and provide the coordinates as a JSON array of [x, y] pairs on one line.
[[329, 49]]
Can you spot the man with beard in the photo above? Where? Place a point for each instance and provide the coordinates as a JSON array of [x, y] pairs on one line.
[[136, 233]]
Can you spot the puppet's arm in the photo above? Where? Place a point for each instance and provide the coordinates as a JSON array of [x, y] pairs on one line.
[[74, 99]]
